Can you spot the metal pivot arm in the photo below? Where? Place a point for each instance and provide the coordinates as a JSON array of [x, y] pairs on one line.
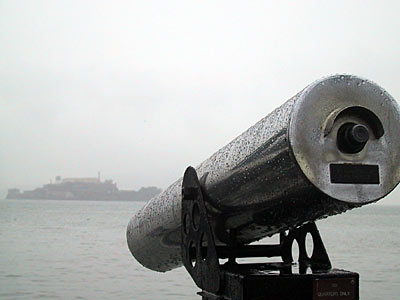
[[200, 254], [235, 281], [318, 260], [198, 247]]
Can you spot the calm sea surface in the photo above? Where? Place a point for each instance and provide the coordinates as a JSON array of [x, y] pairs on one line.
[[77, 250]]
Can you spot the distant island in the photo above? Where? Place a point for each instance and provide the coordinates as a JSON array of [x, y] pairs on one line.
[[91, 188]]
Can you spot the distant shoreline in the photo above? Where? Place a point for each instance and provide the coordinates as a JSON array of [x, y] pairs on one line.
[[89, 188], [76, 200]]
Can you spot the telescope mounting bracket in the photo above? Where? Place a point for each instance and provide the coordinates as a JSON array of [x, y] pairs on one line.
[[312, 278]]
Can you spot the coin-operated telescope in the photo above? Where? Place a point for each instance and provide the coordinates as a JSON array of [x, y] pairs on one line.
[[332, 147]]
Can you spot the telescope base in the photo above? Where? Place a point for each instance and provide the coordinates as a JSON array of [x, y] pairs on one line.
[[312, 278], [276, 282]]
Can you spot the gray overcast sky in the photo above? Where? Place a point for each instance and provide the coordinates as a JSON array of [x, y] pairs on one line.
[[141, 89]]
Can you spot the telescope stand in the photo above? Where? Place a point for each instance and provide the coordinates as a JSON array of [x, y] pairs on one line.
[[312, 278]]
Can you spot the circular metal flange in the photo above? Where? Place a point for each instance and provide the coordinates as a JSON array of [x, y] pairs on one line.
[[313, 132]]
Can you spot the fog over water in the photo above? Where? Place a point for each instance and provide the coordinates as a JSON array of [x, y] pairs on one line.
[[141, 89]]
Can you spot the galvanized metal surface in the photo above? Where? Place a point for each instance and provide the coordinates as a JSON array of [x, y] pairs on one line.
[[276, 174]]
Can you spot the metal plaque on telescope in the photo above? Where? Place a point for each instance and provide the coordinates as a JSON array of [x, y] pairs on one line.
[[354, 173]]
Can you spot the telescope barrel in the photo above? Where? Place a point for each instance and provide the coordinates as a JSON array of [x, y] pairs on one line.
[[332, 147]]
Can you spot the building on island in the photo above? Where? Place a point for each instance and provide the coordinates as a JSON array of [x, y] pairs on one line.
[[89, 188]]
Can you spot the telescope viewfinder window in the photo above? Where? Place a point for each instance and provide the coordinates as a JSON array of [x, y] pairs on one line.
[[354, 174]]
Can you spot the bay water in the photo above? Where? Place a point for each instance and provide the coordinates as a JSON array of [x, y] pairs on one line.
[[53, 249]]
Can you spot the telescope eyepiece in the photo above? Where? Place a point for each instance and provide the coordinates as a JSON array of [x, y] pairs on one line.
[[351, 137], [359, 134]]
